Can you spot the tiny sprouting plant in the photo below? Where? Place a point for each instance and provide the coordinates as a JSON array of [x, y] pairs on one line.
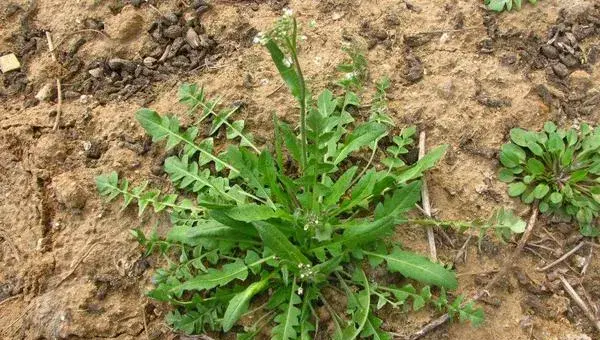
[[273, 232], [557, 167], [501, 5]]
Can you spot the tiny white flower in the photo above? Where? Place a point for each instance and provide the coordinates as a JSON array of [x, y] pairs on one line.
[[303, 37], [288, 62], [299, 265], [302, 276], [350, 75], [288, 12], [300, 290]]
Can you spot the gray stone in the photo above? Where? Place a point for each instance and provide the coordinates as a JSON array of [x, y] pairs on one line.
[[45, 93], [173, 31], [560, 70], [549, 51], [97, 72]]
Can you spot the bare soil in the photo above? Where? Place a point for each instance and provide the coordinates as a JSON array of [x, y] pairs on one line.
[[68, 265]]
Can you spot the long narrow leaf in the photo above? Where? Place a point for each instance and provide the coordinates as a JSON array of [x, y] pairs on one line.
[[288, 73], [239, 303], [279, 243], [419, 268]]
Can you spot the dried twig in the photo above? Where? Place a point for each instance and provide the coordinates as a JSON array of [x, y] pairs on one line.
[[58, 85], [274, 91], [80, 31], [587, 262], [562, 258], [463, 249], [7, 328], [426, 204], [58, 105], [588, 313], [14, 297], [51, 46], [11, 244], [74, 266], [145, 323], [528, 231]]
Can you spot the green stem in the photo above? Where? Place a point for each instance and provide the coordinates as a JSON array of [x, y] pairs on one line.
[[302, 99], [436, 223], [357, 178]]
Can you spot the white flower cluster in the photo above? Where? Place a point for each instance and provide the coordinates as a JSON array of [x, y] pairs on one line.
[[288, 12], [350, 75], [288, 62], [305, 270], [260, 38]]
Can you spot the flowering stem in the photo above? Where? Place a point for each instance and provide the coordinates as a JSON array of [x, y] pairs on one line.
[[292, 45]]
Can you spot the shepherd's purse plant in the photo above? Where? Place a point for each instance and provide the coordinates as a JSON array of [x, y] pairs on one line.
[[274, 232]]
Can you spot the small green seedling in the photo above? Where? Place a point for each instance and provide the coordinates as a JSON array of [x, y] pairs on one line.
[[267, 235], [559, 168], [501, 5]]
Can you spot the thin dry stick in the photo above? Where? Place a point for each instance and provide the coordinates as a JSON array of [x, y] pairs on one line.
[[16, 320], [444, 318], [588, 260], [58, 105], [58, 86], [80, 31], [588, 313], [463, 249], [426, 204], [10, 299], [562, 258], [50, 46], [86, 254], [11, 244], [145, 323]]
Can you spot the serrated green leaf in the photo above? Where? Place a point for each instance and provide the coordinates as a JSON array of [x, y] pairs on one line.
[[168, 128], [363, 135], [339, 188], [401, 201], [361, 303], [427, 162], [214, 278], [289, 319]]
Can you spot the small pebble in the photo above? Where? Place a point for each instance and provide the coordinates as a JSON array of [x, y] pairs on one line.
[[173, 31], [172, 17], [97, 72], [9, 63], [549, 51], [45, 93], [560, 70]]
